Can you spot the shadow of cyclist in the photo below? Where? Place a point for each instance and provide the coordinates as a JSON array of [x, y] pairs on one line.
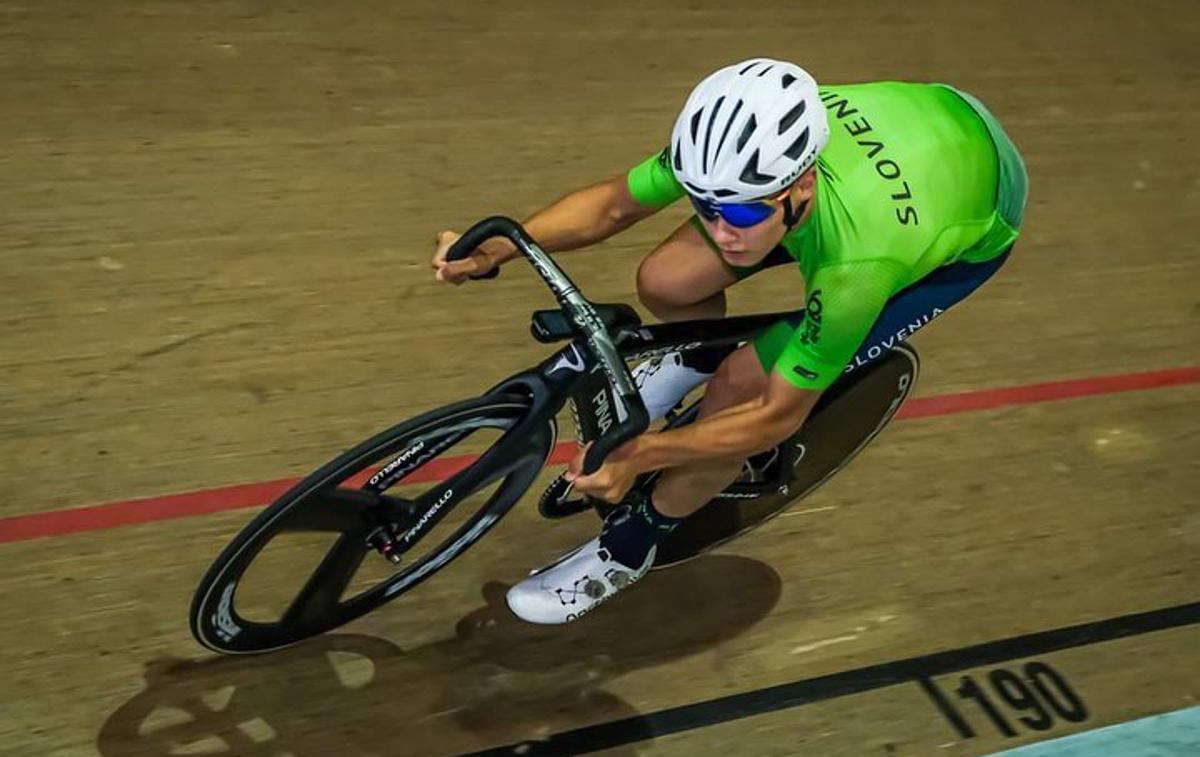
[[497, 681]]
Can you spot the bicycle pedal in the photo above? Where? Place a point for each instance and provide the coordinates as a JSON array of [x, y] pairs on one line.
[[556, 501]]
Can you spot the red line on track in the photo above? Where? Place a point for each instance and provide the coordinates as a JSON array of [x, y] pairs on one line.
[[206, 501], [1049, 391]]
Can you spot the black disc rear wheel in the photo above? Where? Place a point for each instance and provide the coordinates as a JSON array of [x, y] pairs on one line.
[[353, 535], [849, 415]]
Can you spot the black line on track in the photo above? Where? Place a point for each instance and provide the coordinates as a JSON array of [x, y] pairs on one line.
[[856, 681]]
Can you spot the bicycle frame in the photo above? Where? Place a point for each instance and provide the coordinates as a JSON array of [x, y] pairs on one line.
[[590, 370], [596, 346]]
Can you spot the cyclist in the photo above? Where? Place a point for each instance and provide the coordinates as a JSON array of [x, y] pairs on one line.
[[894, 200]]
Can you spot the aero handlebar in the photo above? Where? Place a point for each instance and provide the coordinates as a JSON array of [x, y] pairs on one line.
[[585, 322]]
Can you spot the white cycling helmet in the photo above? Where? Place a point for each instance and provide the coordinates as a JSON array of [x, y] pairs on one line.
[[748, 131]]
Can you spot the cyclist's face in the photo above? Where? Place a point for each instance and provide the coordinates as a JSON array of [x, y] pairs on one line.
[[748, 246]]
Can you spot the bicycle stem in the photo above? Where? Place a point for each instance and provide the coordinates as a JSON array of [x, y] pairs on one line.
[[586, 322]]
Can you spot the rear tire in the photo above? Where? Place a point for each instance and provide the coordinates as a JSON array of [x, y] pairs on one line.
[[849, 415]]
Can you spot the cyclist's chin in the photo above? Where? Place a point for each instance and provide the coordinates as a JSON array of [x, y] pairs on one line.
[[741, 257]]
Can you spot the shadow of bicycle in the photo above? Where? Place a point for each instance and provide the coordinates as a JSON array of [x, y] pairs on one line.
[[496, 681]]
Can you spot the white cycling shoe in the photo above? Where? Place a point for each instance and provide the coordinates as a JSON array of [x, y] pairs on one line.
[[584, 578], [664, 381], [573, 585]]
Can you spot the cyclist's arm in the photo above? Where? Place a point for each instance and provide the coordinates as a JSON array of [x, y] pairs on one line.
[[737, 431], [597, 212], [580, 219], [844, 302]]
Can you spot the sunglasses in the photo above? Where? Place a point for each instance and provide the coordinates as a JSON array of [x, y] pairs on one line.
[[741, 215]]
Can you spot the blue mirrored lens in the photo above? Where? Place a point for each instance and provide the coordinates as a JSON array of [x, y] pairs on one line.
[[745, 215], [737, 214]]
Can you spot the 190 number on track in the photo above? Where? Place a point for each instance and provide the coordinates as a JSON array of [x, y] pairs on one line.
[[1035, 699]]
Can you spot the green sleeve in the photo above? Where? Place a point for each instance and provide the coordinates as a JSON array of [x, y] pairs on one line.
[[844, 302], [653, 183]]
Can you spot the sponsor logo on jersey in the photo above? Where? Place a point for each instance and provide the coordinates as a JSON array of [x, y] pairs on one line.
[[805, 373], [858, 127], [875, 351], [810, 327]]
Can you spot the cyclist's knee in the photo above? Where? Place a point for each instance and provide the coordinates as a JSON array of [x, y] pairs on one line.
[[673, 294], [682, 278], [656, 287], [740, 378]]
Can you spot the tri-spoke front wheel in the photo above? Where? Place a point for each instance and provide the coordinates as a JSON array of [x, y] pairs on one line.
[[353, 535]]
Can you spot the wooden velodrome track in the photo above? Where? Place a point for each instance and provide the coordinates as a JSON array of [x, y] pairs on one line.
[[215, 220]]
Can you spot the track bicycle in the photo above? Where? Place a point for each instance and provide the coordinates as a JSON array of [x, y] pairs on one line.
[[403, 501]]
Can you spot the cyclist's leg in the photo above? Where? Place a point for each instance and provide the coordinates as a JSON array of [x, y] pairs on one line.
[[743, 375], [909, 310], [625, 549], [685, 278], [740, 379], [683, 490], [682, 280]]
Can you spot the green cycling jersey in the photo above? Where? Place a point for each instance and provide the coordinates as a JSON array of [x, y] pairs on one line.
[[914, 177]]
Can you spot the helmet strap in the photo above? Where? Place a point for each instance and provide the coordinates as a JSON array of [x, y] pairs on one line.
[[792, 216]]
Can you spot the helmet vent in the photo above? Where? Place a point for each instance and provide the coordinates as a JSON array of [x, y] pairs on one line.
[[723, 192], [747, 132], [678, 162], [763, 73], [787, 80], [750, 173], [747, 67], [792, 116], [728, 126], [797, 149], [695, 125], [712, 118]]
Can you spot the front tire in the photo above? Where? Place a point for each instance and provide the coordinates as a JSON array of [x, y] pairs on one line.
[[345, 501]]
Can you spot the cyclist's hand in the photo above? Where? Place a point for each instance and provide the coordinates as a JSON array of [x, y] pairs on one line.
[[477, 264], [612, 480]]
